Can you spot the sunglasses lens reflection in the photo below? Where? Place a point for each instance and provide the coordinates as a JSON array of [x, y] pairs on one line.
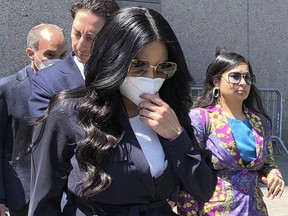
[[163, 70], [139, 67], [235, 78], [167, 68]]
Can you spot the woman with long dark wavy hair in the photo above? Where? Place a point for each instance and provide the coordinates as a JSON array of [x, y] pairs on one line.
[[229, 119], [123, 143]]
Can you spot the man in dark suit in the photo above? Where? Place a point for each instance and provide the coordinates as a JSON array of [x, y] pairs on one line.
[[45, 45], [89, 16]]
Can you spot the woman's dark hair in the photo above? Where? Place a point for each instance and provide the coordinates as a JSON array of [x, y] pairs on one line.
[[223, 63], [119, 41]]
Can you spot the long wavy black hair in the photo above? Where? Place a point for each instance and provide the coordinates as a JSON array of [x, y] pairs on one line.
[[222, 63], [119, 41]]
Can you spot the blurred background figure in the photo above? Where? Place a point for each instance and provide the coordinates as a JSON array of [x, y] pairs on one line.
[[88, 16], [45, 45]]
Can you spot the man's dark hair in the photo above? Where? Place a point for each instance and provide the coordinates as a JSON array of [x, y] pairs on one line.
[[103, 8]]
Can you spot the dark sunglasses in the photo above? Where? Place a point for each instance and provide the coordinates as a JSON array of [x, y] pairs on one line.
[[235, 78], [139, 67]]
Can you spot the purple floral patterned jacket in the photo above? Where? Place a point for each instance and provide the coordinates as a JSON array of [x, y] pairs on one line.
[[237, 191]]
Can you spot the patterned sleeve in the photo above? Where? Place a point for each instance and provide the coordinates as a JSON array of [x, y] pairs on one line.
[[270, 163], [198, 121], [187, 203]]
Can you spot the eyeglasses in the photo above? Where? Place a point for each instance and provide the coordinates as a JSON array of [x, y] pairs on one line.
[[139, 67], [235, 78]]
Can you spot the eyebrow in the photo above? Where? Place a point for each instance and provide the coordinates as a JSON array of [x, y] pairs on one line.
[[93, 34], [53, 52], [238, 72], [49, 51], [64, 53]]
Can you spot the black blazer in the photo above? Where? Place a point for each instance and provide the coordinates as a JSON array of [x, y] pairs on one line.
[[132, 189], [14, 113], [51, 80]]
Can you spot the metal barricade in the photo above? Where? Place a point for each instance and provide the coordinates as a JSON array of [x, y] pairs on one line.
[[272, 101]]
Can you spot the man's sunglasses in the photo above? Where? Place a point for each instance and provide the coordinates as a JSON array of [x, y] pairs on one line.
[[235, 78], [139, 67]]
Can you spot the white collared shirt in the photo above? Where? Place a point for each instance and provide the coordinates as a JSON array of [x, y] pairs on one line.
[[80, 66], [150, 146]]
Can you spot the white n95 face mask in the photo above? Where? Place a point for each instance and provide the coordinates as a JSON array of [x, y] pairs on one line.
[[133, 87]]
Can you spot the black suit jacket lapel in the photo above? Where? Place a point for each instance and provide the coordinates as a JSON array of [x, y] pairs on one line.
[[136, 155]]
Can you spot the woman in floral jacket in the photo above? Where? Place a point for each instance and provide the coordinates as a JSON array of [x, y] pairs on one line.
[[230, 120]]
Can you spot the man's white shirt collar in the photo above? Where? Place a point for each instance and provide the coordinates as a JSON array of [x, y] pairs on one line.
[[80, 66]]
